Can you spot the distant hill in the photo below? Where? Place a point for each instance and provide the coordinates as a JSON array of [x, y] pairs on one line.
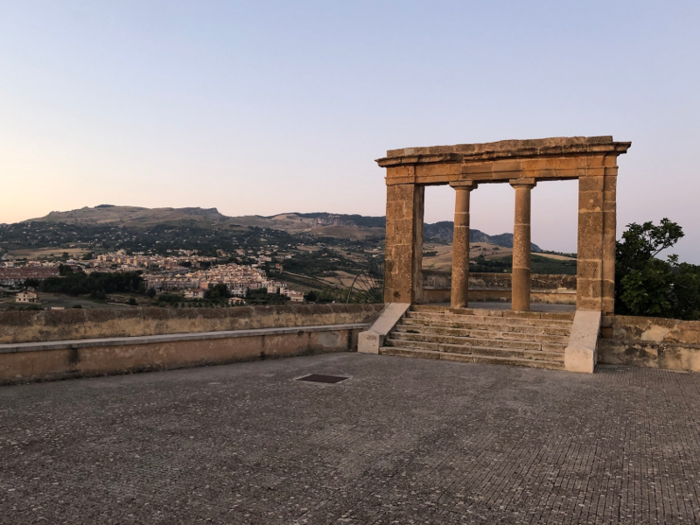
[[320, 224], [443, 232], [135, 217]]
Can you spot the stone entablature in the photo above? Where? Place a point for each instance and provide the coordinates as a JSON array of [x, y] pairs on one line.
[[522, 163], [542, 159]]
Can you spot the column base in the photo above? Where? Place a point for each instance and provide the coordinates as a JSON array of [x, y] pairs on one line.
[[521, 290]]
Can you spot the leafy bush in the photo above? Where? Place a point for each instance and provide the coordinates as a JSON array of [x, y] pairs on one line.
[[169, 299], [218, 292], [647, 285]]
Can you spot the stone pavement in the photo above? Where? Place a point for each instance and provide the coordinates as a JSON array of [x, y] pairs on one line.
[[402, 441]]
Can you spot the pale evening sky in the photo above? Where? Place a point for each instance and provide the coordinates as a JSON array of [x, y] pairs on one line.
[[270, 107]]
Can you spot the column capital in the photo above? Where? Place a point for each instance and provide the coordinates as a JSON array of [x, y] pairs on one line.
[[523, 183], [464, 185]]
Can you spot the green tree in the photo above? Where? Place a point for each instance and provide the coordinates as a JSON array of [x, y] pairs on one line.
[[218, 292], [64, 269], [648, 285]]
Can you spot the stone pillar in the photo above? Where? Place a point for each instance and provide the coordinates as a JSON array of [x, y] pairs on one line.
[[403, 271], [521, 244], [460, 245], [597, 222]]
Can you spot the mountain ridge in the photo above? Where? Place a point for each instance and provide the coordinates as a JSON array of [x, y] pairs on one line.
[[321, 224]]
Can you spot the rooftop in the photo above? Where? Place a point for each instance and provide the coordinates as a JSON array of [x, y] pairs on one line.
[[400, 441]]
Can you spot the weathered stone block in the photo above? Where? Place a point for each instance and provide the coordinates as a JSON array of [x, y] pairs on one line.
[[589, 184], [590, 201], [608, 305], [588, 303], [608, 288], [580, 354], [590, 269]]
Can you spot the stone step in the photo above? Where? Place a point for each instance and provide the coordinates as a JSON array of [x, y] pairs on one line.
[[510, 321], [472, 341], [486, 348], [517, 353], [471, 358], [484, 334], [560, 316], [475, 323]]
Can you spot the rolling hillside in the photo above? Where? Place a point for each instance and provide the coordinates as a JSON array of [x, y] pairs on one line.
[[328, 225]]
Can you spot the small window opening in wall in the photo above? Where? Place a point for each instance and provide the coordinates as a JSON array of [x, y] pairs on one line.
[[319, 378]]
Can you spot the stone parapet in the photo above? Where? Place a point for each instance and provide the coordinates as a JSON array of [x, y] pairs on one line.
[[25, 362], [651, 342], [57, 325]]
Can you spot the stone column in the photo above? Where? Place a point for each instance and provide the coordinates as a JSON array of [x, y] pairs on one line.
[[521, 244], [597, 222], [403, 272], [460, 244]]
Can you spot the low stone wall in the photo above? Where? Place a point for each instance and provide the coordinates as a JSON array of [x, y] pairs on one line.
[[650, 342], [57, 325], [26, 362], [496, 287]]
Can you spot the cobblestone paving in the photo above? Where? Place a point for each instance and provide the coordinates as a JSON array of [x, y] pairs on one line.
[[403, 441]]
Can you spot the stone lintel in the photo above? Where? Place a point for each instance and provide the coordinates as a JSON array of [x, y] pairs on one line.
[[387, 162], [556, 146]]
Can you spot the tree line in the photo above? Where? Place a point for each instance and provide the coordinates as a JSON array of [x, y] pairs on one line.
[[96, 284]]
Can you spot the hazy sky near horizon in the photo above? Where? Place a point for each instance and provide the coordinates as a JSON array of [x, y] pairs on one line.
[[269, 107]]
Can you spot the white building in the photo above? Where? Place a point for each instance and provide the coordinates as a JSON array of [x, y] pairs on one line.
[[296, 297], [27, 297]]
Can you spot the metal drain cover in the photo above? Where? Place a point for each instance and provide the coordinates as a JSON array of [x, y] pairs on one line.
[[319, 378]]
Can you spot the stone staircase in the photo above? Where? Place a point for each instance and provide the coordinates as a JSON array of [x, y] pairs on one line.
[[533, 339]]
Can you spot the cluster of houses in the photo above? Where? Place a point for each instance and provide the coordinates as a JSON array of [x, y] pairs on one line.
[[237, 279], [14, 277], [140, 261], [169, 275]]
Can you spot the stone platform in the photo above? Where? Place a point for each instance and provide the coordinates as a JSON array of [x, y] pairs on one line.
[[401, 441]]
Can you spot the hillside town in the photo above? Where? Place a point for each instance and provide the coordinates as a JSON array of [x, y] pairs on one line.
[[184, 272]]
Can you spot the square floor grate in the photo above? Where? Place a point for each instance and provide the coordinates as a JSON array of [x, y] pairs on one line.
[[320, 378]]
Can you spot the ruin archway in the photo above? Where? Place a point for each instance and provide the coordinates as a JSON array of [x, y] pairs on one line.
[[521, 163]]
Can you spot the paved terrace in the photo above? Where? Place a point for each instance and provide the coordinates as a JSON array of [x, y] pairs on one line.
[[402, 441]]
